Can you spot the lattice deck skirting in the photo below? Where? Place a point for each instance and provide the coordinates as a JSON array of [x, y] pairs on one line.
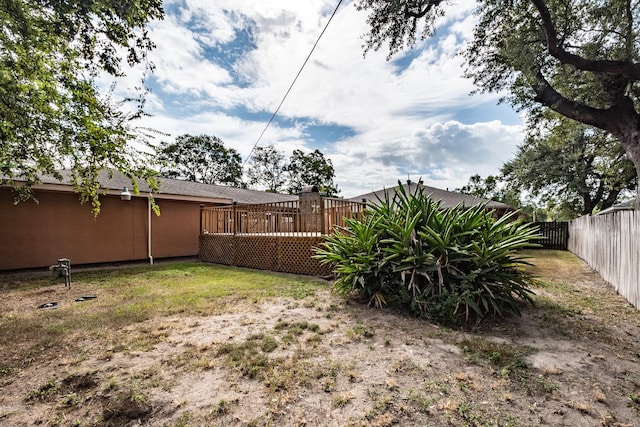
[[285, 253]]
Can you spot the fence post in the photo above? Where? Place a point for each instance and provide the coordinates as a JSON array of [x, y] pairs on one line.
[[323, 225], [234, 219]]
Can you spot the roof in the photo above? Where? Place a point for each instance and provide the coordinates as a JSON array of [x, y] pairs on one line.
[[169, 188], [449, 199], [623, 206]]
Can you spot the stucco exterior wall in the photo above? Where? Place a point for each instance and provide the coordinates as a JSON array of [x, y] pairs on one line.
[[37, 235], [176, 231]]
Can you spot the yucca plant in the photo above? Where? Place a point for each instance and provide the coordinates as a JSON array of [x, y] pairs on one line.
[[450, 265]]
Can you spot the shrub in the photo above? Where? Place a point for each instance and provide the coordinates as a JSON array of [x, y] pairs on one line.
[[448, 265]]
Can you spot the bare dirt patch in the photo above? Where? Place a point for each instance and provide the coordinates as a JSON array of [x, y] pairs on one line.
[[574, 359]]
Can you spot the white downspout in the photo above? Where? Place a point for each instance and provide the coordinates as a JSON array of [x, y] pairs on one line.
[[149, 231]]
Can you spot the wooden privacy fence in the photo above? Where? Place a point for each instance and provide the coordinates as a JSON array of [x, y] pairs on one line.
[[274, 236], [610, 244], [556, 235]]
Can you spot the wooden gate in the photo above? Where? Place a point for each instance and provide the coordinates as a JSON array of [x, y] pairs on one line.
[[556, 235]]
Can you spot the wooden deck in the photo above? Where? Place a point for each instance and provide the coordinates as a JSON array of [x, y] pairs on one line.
[[275, 236]]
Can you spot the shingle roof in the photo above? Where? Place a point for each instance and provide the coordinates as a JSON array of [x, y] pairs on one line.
[[623, 206], [449, 199], [175, 187]]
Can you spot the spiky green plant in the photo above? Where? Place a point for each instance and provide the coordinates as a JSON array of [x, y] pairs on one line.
[[446, 264]]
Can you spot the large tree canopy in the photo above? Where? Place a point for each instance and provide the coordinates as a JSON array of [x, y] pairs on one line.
[[576, 57], [267, 169], [579, 168], [201, 158], [311, 169], [52, 114]]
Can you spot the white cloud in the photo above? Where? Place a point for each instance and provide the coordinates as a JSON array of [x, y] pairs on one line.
[[404, 119], [444, 154]]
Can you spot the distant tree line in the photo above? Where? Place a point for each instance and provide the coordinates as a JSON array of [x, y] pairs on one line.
[[563, 169], [205, 158]]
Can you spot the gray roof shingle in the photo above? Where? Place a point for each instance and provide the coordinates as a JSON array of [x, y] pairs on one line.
[[174, 187], [449, 199]]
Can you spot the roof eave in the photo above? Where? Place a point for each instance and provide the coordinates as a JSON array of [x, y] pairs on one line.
[[66, 188]]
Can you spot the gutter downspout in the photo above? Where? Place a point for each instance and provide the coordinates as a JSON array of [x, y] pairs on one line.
[[149, 231]]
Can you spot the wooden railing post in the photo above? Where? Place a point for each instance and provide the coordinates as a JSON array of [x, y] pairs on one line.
[[234, 218], [323, 222]]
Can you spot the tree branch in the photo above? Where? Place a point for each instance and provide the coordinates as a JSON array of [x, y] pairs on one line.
[[547, 95], [627, 68], [430, 5]]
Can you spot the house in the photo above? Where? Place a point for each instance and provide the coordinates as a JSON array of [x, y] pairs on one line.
[[36, 235], [448, 199]]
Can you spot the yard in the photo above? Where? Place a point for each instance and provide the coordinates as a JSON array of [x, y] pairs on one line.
[[196, 344]]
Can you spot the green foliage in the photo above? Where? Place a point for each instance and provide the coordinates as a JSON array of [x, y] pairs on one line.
[[495, 188], [577, 168], [487, 188], [397, 24], [267, 169], [577, 58], [448, 265], [201, 158], [52, 114], [311, 169]]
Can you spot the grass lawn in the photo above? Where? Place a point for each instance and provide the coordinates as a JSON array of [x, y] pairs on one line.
[[181, 344]]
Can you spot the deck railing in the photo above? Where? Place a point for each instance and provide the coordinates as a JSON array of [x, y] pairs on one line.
[[273, 236], [305, 217]]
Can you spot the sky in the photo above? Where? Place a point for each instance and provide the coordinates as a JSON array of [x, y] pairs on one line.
[[222, 68]]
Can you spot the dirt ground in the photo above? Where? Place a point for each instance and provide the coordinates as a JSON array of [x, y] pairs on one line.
[[573, 360]]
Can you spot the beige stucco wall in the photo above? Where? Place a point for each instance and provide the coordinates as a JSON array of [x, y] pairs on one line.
[[37, 235]]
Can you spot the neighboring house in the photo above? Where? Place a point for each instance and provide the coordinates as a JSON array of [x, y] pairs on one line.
[[35, 235], [448, 199]]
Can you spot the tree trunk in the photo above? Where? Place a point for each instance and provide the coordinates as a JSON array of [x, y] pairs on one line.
[[633, 150]]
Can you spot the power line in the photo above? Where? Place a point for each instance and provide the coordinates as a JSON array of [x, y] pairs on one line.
[[275, 113]]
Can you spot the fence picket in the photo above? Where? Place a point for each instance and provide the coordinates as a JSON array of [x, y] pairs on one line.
[[610, 244]]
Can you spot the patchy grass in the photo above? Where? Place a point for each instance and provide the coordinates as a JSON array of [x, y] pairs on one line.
[[128, 296], [505, 357], [249, 357], [195, 344]]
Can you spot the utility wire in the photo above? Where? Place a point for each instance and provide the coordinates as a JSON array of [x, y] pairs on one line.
[[275, 113]]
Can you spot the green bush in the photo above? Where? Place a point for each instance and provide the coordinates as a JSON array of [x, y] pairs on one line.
[[449, 265]]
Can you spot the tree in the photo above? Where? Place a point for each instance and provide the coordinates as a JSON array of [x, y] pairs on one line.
[[577, 57], [201, 158], [52, 114], [496, 188], [578, 168], [484, 188], [267, 169], [311, 169]]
